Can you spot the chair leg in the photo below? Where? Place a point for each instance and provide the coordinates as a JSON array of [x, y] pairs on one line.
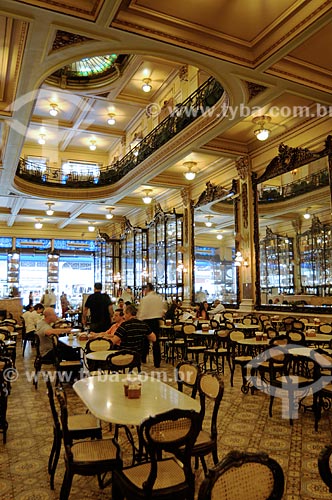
[[116, 491], [66, 485], [54, 458], [270, 406], [215, 456], [205, 469]]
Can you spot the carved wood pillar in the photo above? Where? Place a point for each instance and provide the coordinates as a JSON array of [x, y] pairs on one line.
[[188, 246], [244, 238]]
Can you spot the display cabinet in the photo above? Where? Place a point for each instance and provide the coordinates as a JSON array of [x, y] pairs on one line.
[[53, 268], [13, 268], [276, 264], [165, 253], [315, 248], [154, 254], [108, 265]]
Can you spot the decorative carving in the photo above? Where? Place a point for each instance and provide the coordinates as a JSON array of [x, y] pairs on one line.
[[269, 233], [245, 205], [254, 89], [213, 193], [291, 158], [242, 167], [183, 73], [64, 38], [103, 237]]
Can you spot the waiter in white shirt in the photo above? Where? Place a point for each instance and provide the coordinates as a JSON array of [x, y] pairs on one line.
[[151, 310]]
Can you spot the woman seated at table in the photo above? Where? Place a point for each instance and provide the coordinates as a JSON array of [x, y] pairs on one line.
[[118, 319], [202, 311]]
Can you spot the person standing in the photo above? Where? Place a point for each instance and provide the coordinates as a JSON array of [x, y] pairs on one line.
[[127, 295], [45, 300], [101, 310], [151, 311], [52, 298], [64, 304]]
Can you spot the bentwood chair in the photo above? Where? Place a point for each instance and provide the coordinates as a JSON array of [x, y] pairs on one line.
[[187, 373], [5, 364], [238, 355], [79, 427], [39, 361], [95, 345], [210, 387], [244, 475], [220, 350], [66, 370], [85, 458], [168, 478], [325, 466], [122, 360]]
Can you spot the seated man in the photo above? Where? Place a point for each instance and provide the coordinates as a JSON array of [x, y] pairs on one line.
[[44, 331], [218, 308], [118, 318], [31, 316], [132, 332]]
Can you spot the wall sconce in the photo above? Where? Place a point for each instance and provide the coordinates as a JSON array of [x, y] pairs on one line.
[[208, 223], [219, 236], [111, 120], [109, 214], [38, 224], [49, 211], [42, 139], [307, 215], [54, 110], [147, 87], [245, 262], [91, 227], [117, 277], [238, 259], [262, 133], [92, 145], [147, 198], [190, 175]]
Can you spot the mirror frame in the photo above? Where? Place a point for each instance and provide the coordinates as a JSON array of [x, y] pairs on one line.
[[287, 160]]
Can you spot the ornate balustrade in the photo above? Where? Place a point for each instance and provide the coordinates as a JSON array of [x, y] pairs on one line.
[[301, 186], [198, 103]]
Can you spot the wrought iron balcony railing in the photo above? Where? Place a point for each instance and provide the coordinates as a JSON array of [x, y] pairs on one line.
[[296, 188], [203, 99]]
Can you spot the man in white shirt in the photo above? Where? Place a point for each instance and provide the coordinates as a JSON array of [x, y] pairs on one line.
[[52, 298], [151, 310], [218, 308]]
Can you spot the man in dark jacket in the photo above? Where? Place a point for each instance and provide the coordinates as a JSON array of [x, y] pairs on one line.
[[101, 310]]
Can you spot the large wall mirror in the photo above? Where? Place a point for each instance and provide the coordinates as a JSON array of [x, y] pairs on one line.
[[215, 275], [293, 229]]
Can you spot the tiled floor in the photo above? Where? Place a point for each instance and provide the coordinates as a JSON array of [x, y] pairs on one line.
[[243, 424]]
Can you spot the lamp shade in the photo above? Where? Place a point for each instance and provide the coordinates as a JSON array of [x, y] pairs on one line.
[[146, 87], [147, 197], [262, 133]]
